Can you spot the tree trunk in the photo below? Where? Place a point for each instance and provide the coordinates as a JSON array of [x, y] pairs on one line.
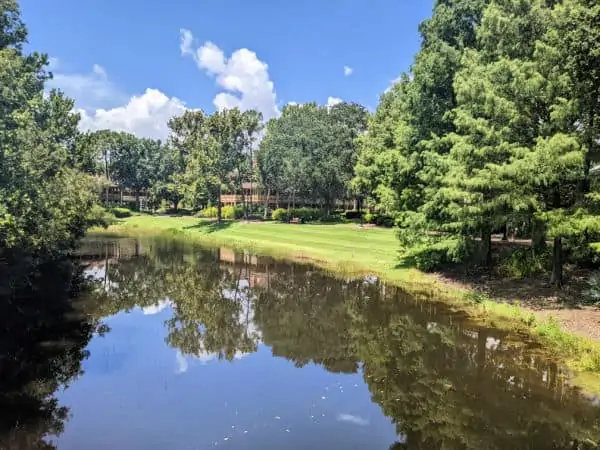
[[486, 241], [137, 199], [294, 199], [244, 203], [359, 205], [267, 203], [538, 236], [505, 232], [277, 200], [219, 212], [557, 263]]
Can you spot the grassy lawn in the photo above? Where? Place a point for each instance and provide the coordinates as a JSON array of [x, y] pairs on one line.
[[346, 250], [370, 250]]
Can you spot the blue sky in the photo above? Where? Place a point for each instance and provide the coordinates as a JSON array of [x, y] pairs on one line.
[[129, 65]]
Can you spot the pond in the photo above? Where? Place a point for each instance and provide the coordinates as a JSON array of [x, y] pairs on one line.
[[162, 345]]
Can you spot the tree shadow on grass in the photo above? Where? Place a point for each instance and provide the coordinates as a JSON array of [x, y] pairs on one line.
[[210, 226]]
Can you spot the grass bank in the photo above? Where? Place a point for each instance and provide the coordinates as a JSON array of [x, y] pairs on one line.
[[345, 250]]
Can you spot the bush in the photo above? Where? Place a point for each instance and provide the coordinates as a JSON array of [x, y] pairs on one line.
[[353, 215], [232, 212], [211, 211], [279, 214], [381, 220], [592, 293], [370, 218], [121, 213], [100, 217], [431, 253], [331, 218], [524, 262]]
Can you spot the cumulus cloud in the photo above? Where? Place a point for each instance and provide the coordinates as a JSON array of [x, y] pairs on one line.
[[243, 76], [332, 101], [104, 106], [348, 71], [90, 90], [155, 309], [145, 115], [357, 420]]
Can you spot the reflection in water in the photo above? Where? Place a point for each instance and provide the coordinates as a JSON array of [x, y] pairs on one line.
[[366, 352], [42, 345]]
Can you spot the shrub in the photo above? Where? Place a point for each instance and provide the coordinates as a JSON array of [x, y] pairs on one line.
[[100, 217], [383, 220], [525, 262], [331, 218], [279, 214], [232, 212], [121, 213], [353, 215], [433, 253], [211, 211], [592, 293]]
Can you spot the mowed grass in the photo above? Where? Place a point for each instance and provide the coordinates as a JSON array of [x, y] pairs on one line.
[[347, 250], [369, 250]]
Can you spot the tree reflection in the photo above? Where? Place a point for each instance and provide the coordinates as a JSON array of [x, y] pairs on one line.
[[445, 383], [42, 344]]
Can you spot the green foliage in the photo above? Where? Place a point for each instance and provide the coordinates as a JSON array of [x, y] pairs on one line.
[[100, 217], [45, 198], [434, 253], [305, 215], [279, 214], [381, 220], [526, 262], [592, 292], [497, 125], [121, 213], [213, 151], [353, 215], [233, 212], [209, 212], [310, 151]]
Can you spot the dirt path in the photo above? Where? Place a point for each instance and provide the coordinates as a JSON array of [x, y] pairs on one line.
[[536, 294]]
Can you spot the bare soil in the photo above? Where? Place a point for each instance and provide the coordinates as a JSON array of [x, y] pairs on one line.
[[565, 304]]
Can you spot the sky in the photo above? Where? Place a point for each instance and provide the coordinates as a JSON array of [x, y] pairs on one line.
[[130, 65]]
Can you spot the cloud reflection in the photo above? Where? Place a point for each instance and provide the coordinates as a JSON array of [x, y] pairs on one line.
[[357, 420]]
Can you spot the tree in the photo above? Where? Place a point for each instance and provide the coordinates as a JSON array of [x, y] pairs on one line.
[[214, 147], [399, 158], [310, 151], [44, 197]]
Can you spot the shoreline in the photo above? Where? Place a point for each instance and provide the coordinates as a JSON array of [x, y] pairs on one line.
[[369, 251]]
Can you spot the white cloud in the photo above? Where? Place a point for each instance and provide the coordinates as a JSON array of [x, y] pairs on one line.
[[186, 41], [348, 71], [103, 106], [53, 63], [357, 420], [332, 101], [90, 90], [145, 115], [155, 309], [181, 363], [243, 76]]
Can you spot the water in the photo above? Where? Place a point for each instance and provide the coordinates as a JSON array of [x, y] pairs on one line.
[[170, 347]]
